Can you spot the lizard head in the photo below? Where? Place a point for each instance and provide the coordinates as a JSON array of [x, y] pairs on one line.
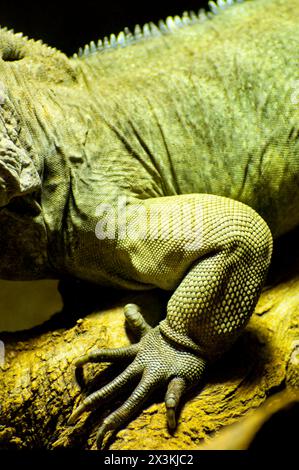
[[28, 70], [31, 75]]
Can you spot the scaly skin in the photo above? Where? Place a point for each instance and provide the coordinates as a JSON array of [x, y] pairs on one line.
[[195, 130]]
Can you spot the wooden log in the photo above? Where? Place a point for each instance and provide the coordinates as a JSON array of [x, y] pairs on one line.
[[38, 391]]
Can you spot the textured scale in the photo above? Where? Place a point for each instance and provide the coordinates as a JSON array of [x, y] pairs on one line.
[[165, 157]]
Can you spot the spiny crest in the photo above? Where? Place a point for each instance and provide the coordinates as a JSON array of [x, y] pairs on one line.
[[149, 30], [18, 41], [52, 65]]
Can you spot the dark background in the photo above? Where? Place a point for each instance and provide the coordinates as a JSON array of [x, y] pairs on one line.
[[69, 25]]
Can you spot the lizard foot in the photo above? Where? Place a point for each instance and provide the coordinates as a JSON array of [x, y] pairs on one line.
[[156, 361]]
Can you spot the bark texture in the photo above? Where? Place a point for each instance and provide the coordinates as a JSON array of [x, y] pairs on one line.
[[38, 390]]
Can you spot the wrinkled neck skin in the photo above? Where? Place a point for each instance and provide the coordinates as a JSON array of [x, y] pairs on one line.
[[33, 121], [37, 130]]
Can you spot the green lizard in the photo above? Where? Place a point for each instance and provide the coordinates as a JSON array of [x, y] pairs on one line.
[[165, 158]]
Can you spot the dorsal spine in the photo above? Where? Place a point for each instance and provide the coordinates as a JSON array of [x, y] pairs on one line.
[[170, 25]]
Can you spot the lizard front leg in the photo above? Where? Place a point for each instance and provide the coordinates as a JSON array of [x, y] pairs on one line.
[[213, 252]]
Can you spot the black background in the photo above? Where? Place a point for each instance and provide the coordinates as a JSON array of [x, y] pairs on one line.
[[69, 25]]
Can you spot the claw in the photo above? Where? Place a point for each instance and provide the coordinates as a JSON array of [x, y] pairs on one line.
[[175, 389], [170, 414], [135, 319], [104, 433], [75, 415]]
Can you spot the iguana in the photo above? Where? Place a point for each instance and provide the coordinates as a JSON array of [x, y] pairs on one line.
[[165, 158]]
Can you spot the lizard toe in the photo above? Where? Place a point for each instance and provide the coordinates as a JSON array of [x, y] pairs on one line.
[[93, 400], [159, 363], [136, 322], [126, 411], [175, 390], [103, 355]]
